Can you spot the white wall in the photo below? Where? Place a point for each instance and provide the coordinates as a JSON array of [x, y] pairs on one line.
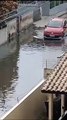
[[12, 26], [3, 35], [25, 21], [30, 107]]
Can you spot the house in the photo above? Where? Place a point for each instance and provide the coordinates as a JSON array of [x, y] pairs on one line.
[[56, 85]]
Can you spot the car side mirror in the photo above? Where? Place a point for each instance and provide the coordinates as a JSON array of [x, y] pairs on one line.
[[45, 26], [65, 26]]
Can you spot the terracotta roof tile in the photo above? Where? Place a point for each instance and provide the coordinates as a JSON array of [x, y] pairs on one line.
[[57, 81]]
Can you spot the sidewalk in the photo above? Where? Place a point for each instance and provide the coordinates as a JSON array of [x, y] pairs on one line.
[[44, 20]]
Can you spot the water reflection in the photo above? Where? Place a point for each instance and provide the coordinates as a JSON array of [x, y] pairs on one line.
[[22, 65], [10, 85], [8, 73], [54, 42]]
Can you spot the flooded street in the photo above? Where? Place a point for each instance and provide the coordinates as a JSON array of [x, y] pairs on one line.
[[22, 66]]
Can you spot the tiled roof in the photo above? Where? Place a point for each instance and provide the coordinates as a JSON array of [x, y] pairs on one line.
[[57, 82]]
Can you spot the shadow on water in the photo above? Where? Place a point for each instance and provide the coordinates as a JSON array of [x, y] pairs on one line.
[[48, 42]]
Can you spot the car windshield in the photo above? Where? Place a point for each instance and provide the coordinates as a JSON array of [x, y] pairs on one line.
[[55, 24]]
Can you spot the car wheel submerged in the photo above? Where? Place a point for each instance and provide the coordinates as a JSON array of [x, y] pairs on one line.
[[62, 37]]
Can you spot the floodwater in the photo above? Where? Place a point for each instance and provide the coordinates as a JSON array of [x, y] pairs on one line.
[[22, 65]]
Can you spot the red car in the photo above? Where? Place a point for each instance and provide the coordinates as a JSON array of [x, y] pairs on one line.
[[55, 29]]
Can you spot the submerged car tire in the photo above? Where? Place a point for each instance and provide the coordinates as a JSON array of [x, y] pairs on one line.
[[45, 38]]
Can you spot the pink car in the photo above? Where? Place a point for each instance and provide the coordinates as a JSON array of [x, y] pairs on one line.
[[56, 29]]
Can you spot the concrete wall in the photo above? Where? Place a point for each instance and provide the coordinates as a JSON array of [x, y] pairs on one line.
[[36, 15], [3, 35], [12, 27], [41, 9], [25, 21], [45, 8], [29, 107]]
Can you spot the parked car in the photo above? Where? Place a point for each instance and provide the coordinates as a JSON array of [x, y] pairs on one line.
[[55, 29]]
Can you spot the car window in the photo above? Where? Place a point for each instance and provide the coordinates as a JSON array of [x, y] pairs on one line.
[[55, 24]]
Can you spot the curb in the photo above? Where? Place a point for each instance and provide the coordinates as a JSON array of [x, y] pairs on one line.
[[61, 13]]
